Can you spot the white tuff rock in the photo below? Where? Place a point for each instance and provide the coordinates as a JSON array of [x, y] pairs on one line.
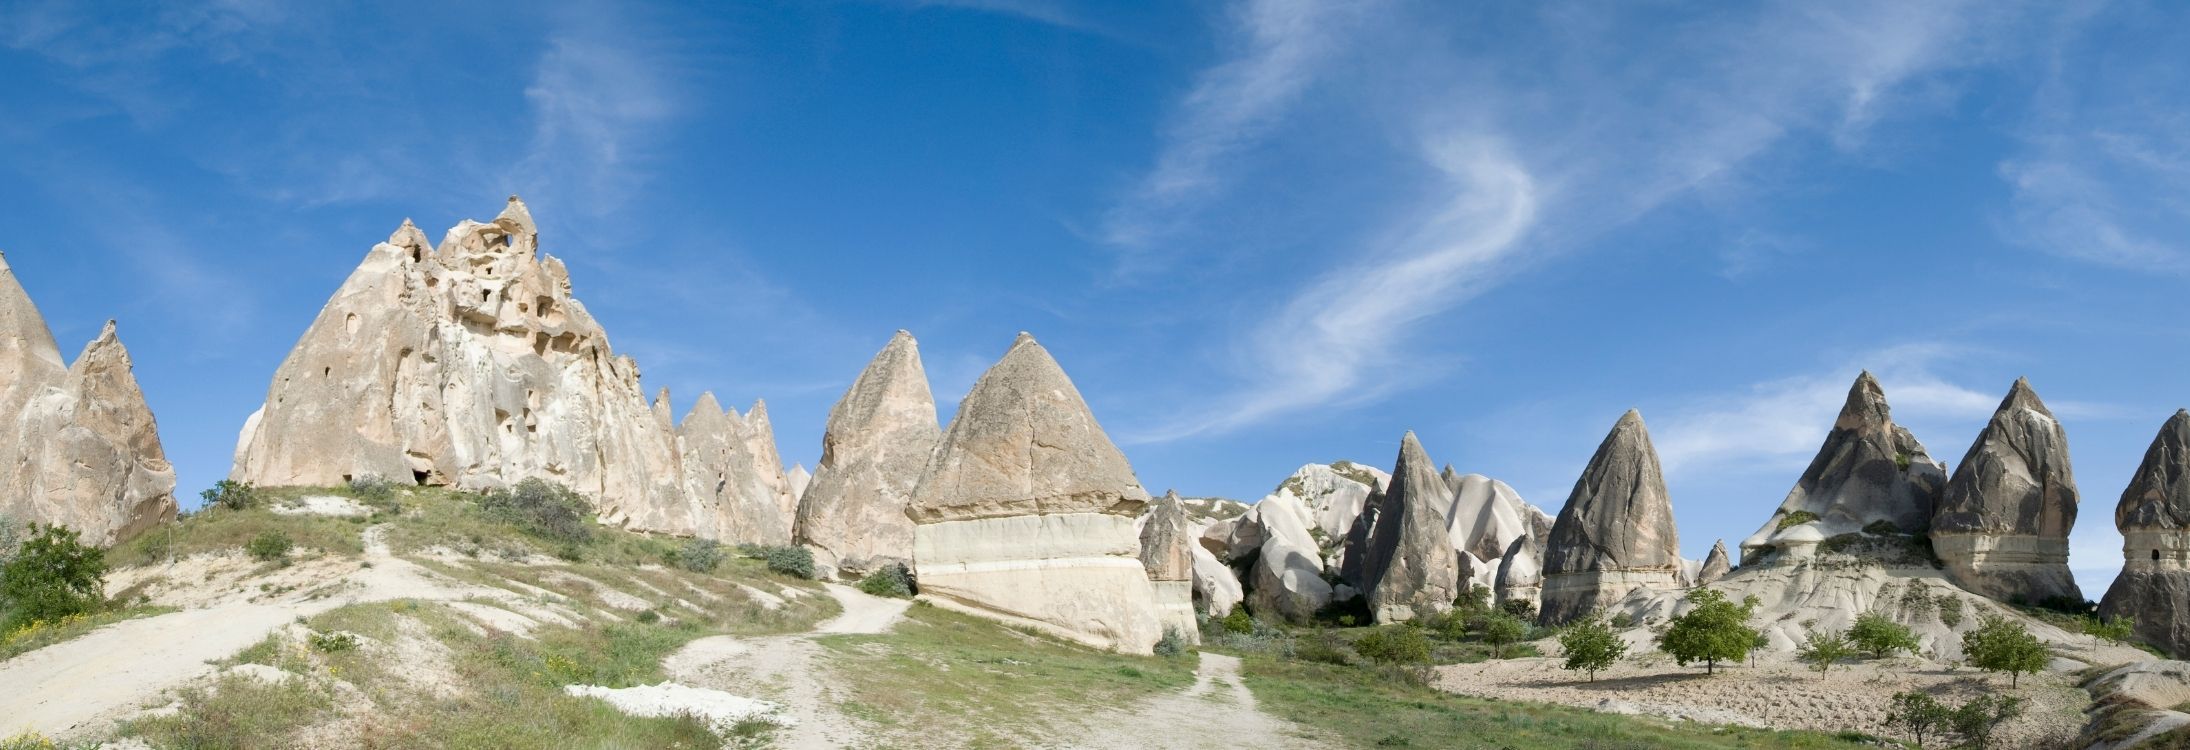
[[877, 443]]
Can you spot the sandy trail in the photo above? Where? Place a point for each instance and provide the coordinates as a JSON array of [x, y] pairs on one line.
[[1218, 711], [109, 674], [787, 670]]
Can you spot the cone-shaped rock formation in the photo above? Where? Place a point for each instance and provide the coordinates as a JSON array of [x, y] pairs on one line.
[[1026, 512], [1413, 568], [81, 448], [1521, 573], [1715, 565], [1616, 533], [1870, 473], [2154, 518], [2002, 524], [877, 443]]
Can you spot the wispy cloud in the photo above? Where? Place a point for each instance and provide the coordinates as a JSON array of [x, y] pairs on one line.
[[1282, 45], [598, 91], [1051, 12]]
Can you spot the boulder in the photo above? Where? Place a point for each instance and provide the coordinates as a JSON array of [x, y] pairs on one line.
[[1286, 581], [1216, 588], [877, 442], [2154, 518], [2002, 524], [1616, 533], [78, 444], [1026, 512], [1715, 565], [1520, 575], [473, 365], [1414, 571], [1871, 474]]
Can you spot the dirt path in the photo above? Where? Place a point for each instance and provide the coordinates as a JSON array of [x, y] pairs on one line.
[[1218, 711], [787, 670], [88, 683]]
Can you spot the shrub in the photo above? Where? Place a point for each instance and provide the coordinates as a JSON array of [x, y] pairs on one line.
[[333, 643], [51, 576], [231, 495], [1822, 650], [1395, 644], [542, 508], [269, 546], [1882, 527], [1919, 713], [893, 580], [1881, 636], [1475, 599], [701, 555], [2115, 629], [1950, 610], [1324, 648], [790, 561], [1623, 621], [1796, 518], [1173, 643], [11, 537], [1521, 608], [1239, 621], [1499, 629], [373, 488], [1591, 645], [2003, 645], [649, 617], [1979, 718], [1712, 631]]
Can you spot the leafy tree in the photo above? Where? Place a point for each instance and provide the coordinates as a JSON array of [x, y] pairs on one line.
[[1983, 715], [1822, 650], [1878, 634], [1919, 713], [1713, 630], [1475, 599], [1591, 645], [2003, 645], [231, 495], [52, 575], [1395, 644], [2115, 629], [1499, 629]]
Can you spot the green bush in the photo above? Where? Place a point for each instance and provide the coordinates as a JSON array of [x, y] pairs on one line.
[[52, 575], [893, 580], [1623, 621], [1239, 621], [1500, 629], [1796, 518], [1395, 644], [333, 643], [1979, 718], [791, 561], [1173, 643], [269, 546], [11, 537], [1521, 608], [542, 508], [372, 487], [701, 555], [1919, 714], [1950, 610], [1474, 599], [230, 495]]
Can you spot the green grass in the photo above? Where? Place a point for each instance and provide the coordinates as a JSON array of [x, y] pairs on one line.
[[216, 530], [238, 712], [944, 674], [1367, 708]]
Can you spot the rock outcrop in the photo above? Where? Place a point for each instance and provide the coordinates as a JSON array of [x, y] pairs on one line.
[[1487, 516], [2138, 705], [1026, 512], [78, 445], [2154, 518], [1286, 581], [2002, 524], [471, 364], [732, 501], [1334, 494], [1616, 533], [799, 480], [1520, 573], [877, 443], [760, 442], [1414, 571], [1870, 475], [1167, 552], [1216, 588], [1715, 565]]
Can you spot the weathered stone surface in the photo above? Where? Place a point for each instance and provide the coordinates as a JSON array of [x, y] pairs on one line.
[[78, 445], [1414, 569], [1353, 554], [877, 443], [1286, 581], [1869, 471], [1715, 565], [1026, 512], [1334, 494], [2154, 518], [1216, 588], [800, 479], [1616, 533], [472, 365], [733, 501], [1166, 547], [2002, 524], [760, 441], [2136, 704], [1487, 515], [1520, 573]]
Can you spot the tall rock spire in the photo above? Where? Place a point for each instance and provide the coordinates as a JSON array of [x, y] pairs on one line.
[[1616, 533], [876, 444], [1869, 471], [2002, 524], [2154, 518], [1167, 552], [1026, 513], [1414, 569]]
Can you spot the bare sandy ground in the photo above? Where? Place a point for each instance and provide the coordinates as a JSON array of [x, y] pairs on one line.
[[1218, 711], [787, 670], [1777, 694]]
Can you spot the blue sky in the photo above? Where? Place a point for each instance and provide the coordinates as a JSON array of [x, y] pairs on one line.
[[1257, 233]]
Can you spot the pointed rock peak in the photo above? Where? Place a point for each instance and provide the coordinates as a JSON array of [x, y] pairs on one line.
[[1171, 496], [106, 335], [707, 405], [410, 237], [517, 216], [23, 329], [1632, 417], [1411, 456], [2159, 496], [1866, 404], [661, 397], [2021, 396], [758, 416], [1023, 340]]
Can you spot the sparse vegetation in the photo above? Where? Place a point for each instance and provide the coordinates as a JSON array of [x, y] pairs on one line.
[[1173, 644], [1794, 519], [1950, 611], [1713, 630], [1880, 636], [334, 642], [2113, 629], [1500, 629], [1978, 719], [894, 580], [376, 491], [2000, 644], [1591, 645], [1520, 608], [270, 546], [52, 575]]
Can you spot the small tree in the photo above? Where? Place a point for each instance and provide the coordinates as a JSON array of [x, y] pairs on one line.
[[1919, 713], [2114, 629], [1878, 634], [1983, 715], [1822, 650], [1499, 629], [2003, 645], [231, 495], [52, 575], [1714, 630], [1591, 645]]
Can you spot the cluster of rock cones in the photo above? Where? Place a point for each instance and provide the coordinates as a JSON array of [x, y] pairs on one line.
[[471, 364]]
